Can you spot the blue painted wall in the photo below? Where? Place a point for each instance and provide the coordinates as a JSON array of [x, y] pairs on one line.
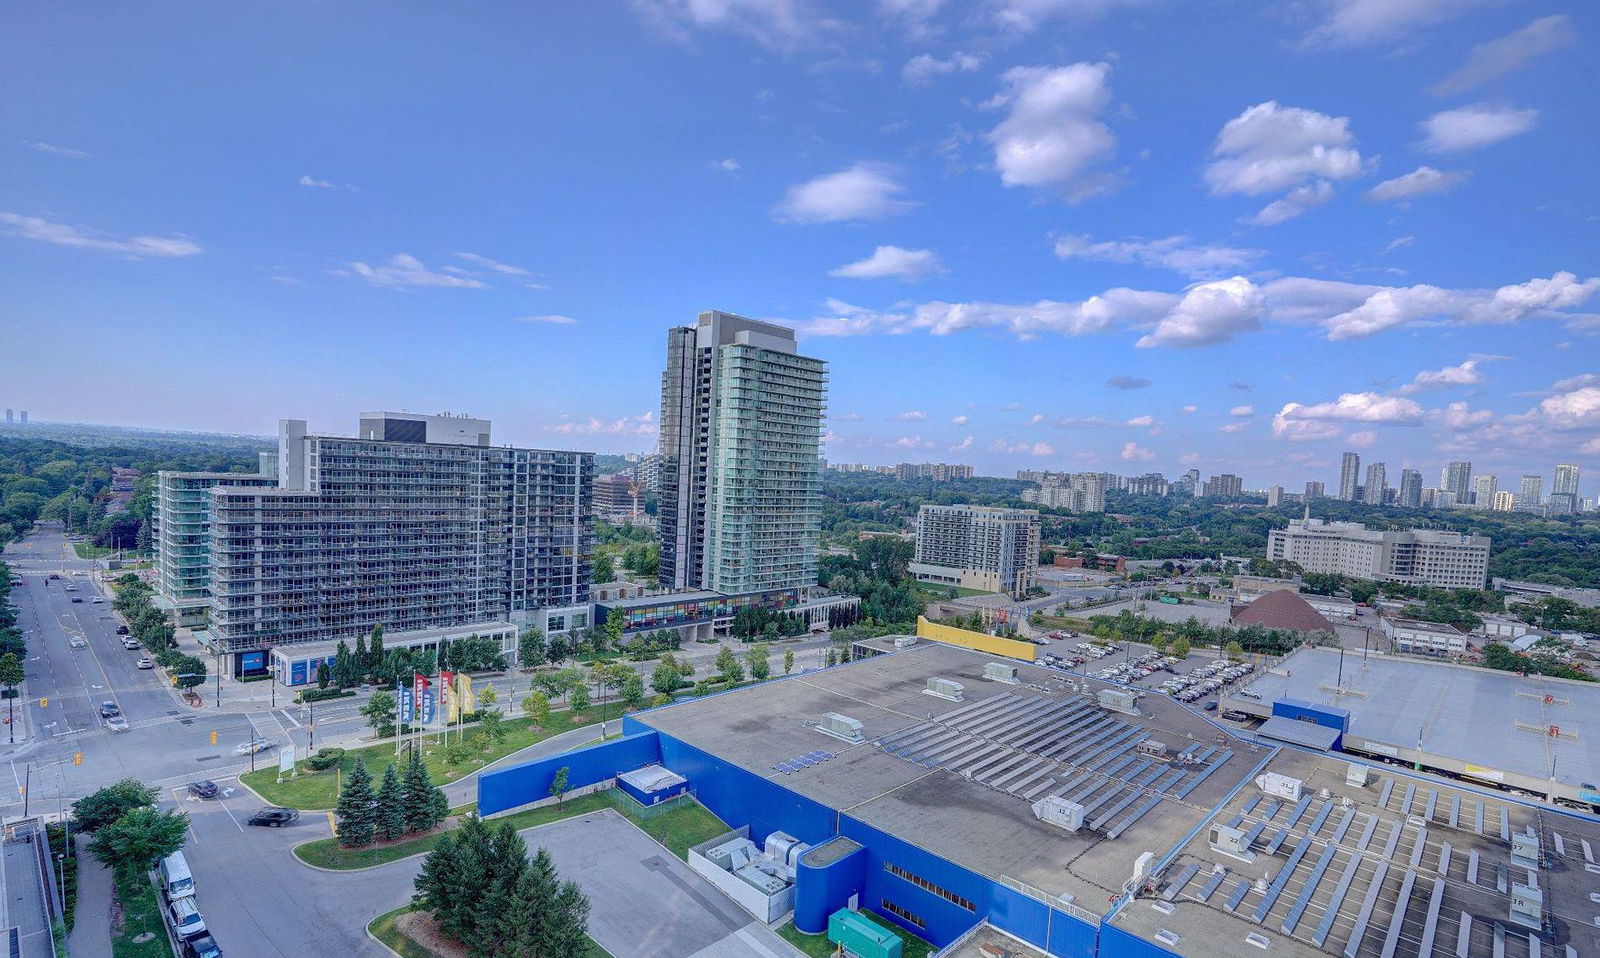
[[819, 892], [944, 920], [1329, 716], [530, 781], [740, 797], [1051, 929], [1117, 943]]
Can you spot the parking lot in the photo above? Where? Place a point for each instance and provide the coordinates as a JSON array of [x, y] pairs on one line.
[[1198, 679]]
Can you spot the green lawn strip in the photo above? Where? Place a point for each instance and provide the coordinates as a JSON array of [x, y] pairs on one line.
[[682, 828], [88, 550], [318, 791], [141, 914], [819, 946], [385, 929], [936, 593]]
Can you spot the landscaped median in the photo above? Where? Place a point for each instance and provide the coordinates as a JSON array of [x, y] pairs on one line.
[[314, 790], [679, 829], [393, 929]]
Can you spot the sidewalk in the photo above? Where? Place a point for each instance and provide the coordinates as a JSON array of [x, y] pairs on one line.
[[91, 930]]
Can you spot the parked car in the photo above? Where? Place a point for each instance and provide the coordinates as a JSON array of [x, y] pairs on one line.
[[204, 788], [116, 723], [252, 747], [274, 817], [96, 600], [1211, 706], [77, 598], [145, 664], [185, 917], [77, 642], [122, 630], [54, 576], [201, 946], [131, 644], [109, 708]]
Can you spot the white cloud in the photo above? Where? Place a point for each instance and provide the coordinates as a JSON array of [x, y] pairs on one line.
[[308, 180], [1235, 427], [865, 191], [1095, 314], [963, 445], [1364, 439], [405, 270], [960, 420], [1399, 242], [1463, 374], [1178, 253], [1422, 181], [1209, 313], [494, 265], [1299, 200], [1269, 148], [553, 318], [1363, 22], [1190, 410], [1053, 138], [1190, 459], [1475, 126], [61, 234], [1385, 308], [1459, 415], [1298, 422], [1575, 382], [892, 262], [914, 415], [726, 165], [1507, 54], [924, 68], [1242, 411], [775, 23], [54, 150], [1575, 409], [1141, 422], [1022, 448], [1026, 15], [1127, 382], [1036, 418], [1133, 452], [641, 425]]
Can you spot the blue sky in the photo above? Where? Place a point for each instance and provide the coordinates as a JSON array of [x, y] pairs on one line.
[[1126, 235]]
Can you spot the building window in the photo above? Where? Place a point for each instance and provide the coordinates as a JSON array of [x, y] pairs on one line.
[[929, 886], [902, 914]]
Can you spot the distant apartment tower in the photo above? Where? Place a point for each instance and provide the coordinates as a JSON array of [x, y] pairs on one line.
[[1376, 486], [1225, 486], [180, 517], [1447, 560], [618, 497], [1274, 495], [1457, 478], [1191, 482], [1315, 490], [1484, 488], [418, 525], [977, 547], [1530, 494], [1410, 489], [23, 420], [1564, 491], [1349, 476], [1079, 492], [1504, 501], [10, 417], [937, 471], [741, 433], [1149, 484]]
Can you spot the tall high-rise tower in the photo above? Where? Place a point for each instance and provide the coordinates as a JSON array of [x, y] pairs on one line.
[[1410, 488], [741, 430], [1564, 492], [1484, 486], [1349, 476], [1457, 478], [1377, 484]]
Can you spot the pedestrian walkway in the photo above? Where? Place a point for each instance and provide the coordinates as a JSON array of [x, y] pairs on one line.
[[91, 932]]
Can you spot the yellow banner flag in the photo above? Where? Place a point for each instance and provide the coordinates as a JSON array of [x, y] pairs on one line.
[[468, 702], [448, 693]]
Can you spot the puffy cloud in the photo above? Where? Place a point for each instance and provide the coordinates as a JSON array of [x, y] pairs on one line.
[[1242, 411], [1127, 382], [1298, 422], [1460, 415], [1575, 382], [1364, 439], [1372, 22], [963, 445], [1299, 200], [914, 415], [1095, 314], [960, 420], [1022, 448], [1507, 54], [1209, 313], [725, 165], [404, 270], [1422, 181], [61, 234], [1178, 253], [1463, 374], [1574, 409], [1269, 148], [893, 262], [924, 68], [1052, 138], [1511, 303], [1133, 452], [1475, 126], [308, 180], [1235, 427], [864, 191]]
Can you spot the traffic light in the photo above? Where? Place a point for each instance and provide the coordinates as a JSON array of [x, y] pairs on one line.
[[213, 736], [77, 758]]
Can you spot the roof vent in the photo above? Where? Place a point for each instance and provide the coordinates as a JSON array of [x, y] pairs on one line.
[[1260, 941], [1120, 700], [946, 689], [1057, 811], [1165, 907], [904, 641], [841, 727], [1168, 938]]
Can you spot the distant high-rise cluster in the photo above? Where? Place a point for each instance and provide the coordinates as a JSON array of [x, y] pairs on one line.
[[1077, 491], [936, 471]]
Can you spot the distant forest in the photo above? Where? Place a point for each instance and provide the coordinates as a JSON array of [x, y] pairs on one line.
[[1559, 550]]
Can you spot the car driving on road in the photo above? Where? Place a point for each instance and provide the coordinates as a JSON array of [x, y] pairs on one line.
[[251, 747], [274, 817], [108, 709], [116, 723]]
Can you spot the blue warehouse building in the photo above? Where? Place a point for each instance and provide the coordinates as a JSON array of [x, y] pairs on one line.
[[1072, 820]]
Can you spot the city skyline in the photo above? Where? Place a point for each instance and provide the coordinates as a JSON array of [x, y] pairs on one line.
[[1402, 198]]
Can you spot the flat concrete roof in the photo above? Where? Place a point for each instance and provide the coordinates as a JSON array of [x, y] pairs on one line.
[[949, 776], [1401, 833], [1460, 712], [645, 601]]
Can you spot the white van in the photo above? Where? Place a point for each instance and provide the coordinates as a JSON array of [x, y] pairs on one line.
[[176, 880]]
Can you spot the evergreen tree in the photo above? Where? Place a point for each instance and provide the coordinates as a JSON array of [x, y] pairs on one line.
[[519, 923], [459, 907], [439, 878], [391, 809], [507, 860], [355, 811], [423, 799], [569, 932], [540, 888]]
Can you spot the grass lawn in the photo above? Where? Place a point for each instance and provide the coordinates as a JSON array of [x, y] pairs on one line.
[[318, 791], [141, 914], [1065, 623], [383, 928], [936, 593], [88, 550], [819, 946], [684, 827]]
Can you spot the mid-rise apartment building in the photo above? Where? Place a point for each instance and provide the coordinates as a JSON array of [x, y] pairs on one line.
[[180, 515], [1149, 484], [1225, 486], [1530, 494], [418, 525], [1079, 491], [1457, 478], [978, 547], [1447, 560], [1314, 490], [741, 432]]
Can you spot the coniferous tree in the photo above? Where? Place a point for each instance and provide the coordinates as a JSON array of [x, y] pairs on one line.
[[439, 877], [425, 803], [569, 932], [460, 906], [391, 808], [356, 811]]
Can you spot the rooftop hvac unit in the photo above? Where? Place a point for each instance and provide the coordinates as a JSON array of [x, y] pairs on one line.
[[1281, 786], [946, 689], [1000, 672], [1120, 700], [1527, 905], [841, 726], [1356, 775], [904, 641], [1057, 811], [1150, 748], [1525, 850], [778, 845], [761, 881], [1230, 841]]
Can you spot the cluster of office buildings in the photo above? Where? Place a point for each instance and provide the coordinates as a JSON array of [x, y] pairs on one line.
[[1431, 557], [423, 526]]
